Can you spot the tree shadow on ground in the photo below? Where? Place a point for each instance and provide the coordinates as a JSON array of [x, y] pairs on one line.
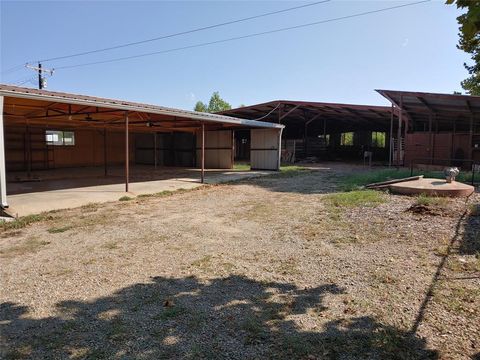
[[229, 318], [470, 243], [320, 180]]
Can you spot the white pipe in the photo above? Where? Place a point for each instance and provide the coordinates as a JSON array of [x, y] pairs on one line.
[[279, 148]]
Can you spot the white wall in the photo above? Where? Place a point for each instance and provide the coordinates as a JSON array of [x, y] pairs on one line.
[[218, 149], [265, 149]]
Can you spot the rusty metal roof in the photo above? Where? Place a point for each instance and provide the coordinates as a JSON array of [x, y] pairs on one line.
[[339, 117], [68, 98]]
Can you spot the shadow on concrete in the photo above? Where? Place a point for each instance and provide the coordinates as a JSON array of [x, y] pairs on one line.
[[225, 318], [77, 178]]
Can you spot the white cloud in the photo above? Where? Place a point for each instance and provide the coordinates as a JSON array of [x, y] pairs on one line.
[[405, 42]]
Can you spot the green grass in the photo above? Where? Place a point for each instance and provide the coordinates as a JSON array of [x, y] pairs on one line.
[[241, 166], [356, 198], [24, 221], [125, 198], [291, 170], [56, 230], [426, 200], [355, 181]]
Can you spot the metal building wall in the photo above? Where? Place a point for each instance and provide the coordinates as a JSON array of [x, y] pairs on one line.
[[265, 149], [218, 149], [22, 147]]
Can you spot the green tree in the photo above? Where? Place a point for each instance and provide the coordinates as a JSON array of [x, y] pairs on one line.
[[200, 106], [215, 104], [470, 41]]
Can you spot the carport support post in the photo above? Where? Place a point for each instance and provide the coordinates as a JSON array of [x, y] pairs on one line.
[[390, 149], [3, 177], [399, 134], [105, 150], [127, 160], [202, 172], [280, 149], [155, 149]]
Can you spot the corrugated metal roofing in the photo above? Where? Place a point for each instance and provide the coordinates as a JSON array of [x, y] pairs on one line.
[[440, 104], [68, 98]]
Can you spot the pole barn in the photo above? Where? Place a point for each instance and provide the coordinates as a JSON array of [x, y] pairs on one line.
[[50, 137]]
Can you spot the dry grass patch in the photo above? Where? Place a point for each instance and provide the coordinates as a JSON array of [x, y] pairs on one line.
[[28, 246]]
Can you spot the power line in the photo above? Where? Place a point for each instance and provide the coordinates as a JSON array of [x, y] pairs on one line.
[[13, 69], [184, 32], [267, 115], [242, 37]]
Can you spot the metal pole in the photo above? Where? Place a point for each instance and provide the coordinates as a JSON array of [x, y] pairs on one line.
[[3, 177], [434, 137], [305, 141], [470, 157], [233, 149], [390, 150], [105, 150], [430, 141], [127, 160], [203, 154], [280, 149], [28, 144], [399, 133], [155, 149]]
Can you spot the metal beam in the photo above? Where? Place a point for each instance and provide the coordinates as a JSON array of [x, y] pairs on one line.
[[202, 172], [3, 171], [288, 113], [426, 104], [127, 154], [390, 149], [399, 134]]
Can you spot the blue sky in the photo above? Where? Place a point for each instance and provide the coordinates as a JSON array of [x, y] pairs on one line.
[[412, 48]]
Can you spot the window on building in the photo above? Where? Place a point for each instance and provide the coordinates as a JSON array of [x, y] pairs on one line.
[[60, 138], [346, 139], [325, 138], [378, 139]]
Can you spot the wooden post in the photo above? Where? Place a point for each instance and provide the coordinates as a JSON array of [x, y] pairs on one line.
[[203, 154], [3, 176], [127, 154]]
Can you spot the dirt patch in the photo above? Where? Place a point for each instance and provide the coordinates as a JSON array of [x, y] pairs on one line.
[[265, 268]]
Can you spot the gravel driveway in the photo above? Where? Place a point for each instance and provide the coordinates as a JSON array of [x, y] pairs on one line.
[[265, 268]]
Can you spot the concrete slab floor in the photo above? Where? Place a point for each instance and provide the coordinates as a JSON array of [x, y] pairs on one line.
[[66, 188]]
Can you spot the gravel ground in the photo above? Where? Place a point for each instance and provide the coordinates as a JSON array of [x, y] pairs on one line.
[[265, 268]]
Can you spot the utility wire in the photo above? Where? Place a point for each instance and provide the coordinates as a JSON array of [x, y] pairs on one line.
[[184, 32], [242, 37], [271, 111], [13, 69]]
